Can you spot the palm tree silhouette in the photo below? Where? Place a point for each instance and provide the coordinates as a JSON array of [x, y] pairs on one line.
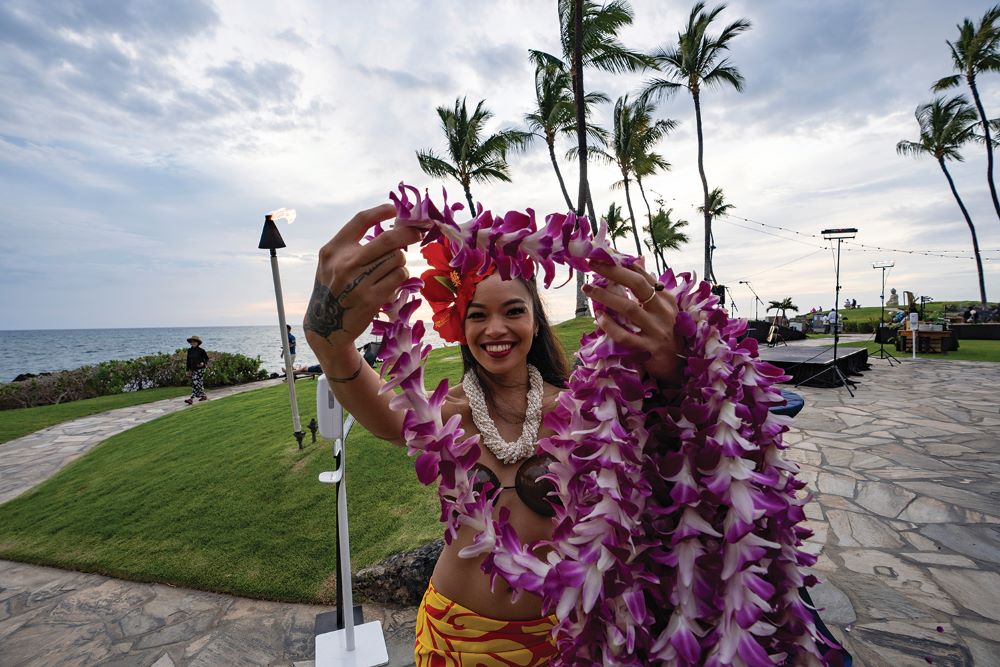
[[555, 114], [473, 158], [647, 163], [695, 62], [631, 140], [665, 234], [715, 206], [783, 305], [977, 50], [599, 47], [945, 125], [617, 229]]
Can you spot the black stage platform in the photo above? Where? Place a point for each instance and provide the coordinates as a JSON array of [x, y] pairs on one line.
[[803, 361]]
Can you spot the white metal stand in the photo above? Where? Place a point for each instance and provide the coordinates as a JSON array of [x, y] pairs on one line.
[[363, 645]]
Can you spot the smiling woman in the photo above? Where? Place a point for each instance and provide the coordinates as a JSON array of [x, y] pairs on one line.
[[626, 477], [515, 371]]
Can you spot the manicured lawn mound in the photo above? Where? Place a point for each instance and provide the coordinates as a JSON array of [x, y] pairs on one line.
[[16, 423], [218, 497], [969, 350]]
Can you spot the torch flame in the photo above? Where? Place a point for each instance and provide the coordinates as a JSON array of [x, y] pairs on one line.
[[283, 214]]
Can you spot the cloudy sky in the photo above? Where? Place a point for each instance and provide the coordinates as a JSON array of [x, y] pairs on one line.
[[142, 142]]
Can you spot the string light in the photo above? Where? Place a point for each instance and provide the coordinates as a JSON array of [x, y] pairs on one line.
[[860, 247]]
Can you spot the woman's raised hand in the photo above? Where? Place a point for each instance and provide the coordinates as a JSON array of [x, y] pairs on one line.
[[353, 280], [653, 311]]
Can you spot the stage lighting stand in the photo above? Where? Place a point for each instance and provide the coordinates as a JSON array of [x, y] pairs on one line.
[[747, 283], [838, 235], [882, 354]]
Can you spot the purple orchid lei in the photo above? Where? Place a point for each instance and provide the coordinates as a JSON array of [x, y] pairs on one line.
[[677, 538]]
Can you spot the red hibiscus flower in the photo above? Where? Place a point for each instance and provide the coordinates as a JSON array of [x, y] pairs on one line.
[[447, 292]]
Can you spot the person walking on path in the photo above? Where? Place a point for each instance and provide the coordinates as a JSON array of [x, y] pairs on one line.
[[197, 362], [291, 346]]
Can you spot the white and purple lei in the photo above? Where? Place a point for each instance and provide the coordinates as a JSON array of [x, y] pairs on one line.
[[677, 538]]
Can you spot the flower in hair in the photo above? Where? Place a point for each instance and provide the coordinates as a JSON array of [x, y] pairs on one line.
[[448, 291]]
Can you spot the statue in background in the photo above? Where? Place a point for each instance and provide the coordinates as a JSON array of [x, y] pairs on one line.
[[893, 301]]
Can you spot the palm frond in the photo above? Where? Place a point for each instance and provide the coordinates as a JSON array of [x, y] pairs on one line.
[[910, 148], [543, 59], [432, 165], [724, 73], [945, 83], [593, 152], [658, 89]]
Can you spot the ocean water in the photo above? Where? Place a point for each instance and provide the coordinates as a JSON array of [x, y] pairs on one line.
[[38, 351]]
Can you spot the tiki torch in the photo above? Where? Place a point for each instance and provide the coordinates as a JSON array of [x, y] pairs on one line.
[[270, 239]]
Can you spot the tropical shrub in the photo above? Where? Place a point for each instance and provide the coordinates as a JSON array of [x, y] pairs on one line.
[[860, 326], [121, 375]]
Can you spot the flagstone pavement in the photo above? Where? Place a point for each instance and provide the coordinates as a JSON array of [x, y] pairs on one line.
[[906, 515]]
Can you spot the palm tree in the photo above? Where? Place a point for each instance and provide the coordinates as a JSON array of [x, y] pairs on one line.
[[588, 35], [783, 305], [977, 50], [592, 29], [647, 164], [945, 125], [715, 206], [617, 229], [631, 141], [695, 62], [665, 233], [473, 158], [555, 114]]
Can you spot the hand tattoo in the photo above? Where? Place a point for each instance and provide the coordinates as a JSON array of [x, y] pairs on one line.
[[326, 311]]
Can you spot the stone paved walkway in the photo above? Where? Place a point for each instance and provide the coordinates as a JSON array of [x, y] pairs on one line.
[[907, 511], [906, 514]]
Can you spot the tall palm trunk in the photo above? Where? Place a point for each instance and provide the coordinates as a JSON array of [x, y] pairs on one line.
[[972, 229], [576, 75], [631, 216], [709, 273], [555, 165], [989, 143], [468, 196], [657, 256], [590, 211]]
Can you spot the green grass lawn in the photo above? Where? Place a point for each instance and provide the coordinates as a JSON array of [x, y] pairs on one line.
[[15, 423], [219, 498], [968, 350]]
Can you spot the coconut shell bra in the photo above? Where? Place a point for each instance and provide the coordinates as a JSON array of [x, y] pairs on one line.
[[535, 491]]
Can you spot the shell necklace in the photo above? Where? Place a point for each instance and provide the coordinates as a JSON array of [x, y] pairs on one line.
[[506, 452]]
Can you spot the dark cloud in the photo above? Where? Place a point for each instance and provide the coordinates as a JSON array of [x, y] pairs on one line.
[[436, 81], [290, 36], [809, 64], [269, 84], [499, 61], [115, 64]]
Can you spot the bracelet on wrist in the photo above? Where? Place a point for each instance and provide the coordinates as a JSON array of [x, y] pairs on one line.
[[361, 362]]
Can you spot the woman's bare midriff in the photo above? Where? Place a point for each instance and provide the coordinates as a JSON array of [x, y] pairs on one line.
[[462, 579]]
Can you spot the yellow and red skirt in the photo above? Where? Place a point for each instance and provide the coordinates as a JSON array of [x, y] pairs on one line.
[[450, 635]]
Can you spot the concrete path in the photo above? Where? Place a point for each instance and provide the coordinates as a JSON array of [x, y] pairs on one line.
[[906, 516]]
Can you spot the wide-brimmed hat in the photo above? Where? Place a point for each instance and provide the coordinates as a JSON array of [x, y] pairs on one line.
[[194, 339]]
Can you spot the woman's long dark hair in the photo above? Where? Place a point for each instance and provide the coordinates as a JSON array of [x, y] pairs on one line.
[[546, 353]]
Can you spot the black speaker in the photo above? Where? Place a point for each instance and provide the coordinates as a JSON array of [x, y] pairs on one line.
[[720, 291]]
